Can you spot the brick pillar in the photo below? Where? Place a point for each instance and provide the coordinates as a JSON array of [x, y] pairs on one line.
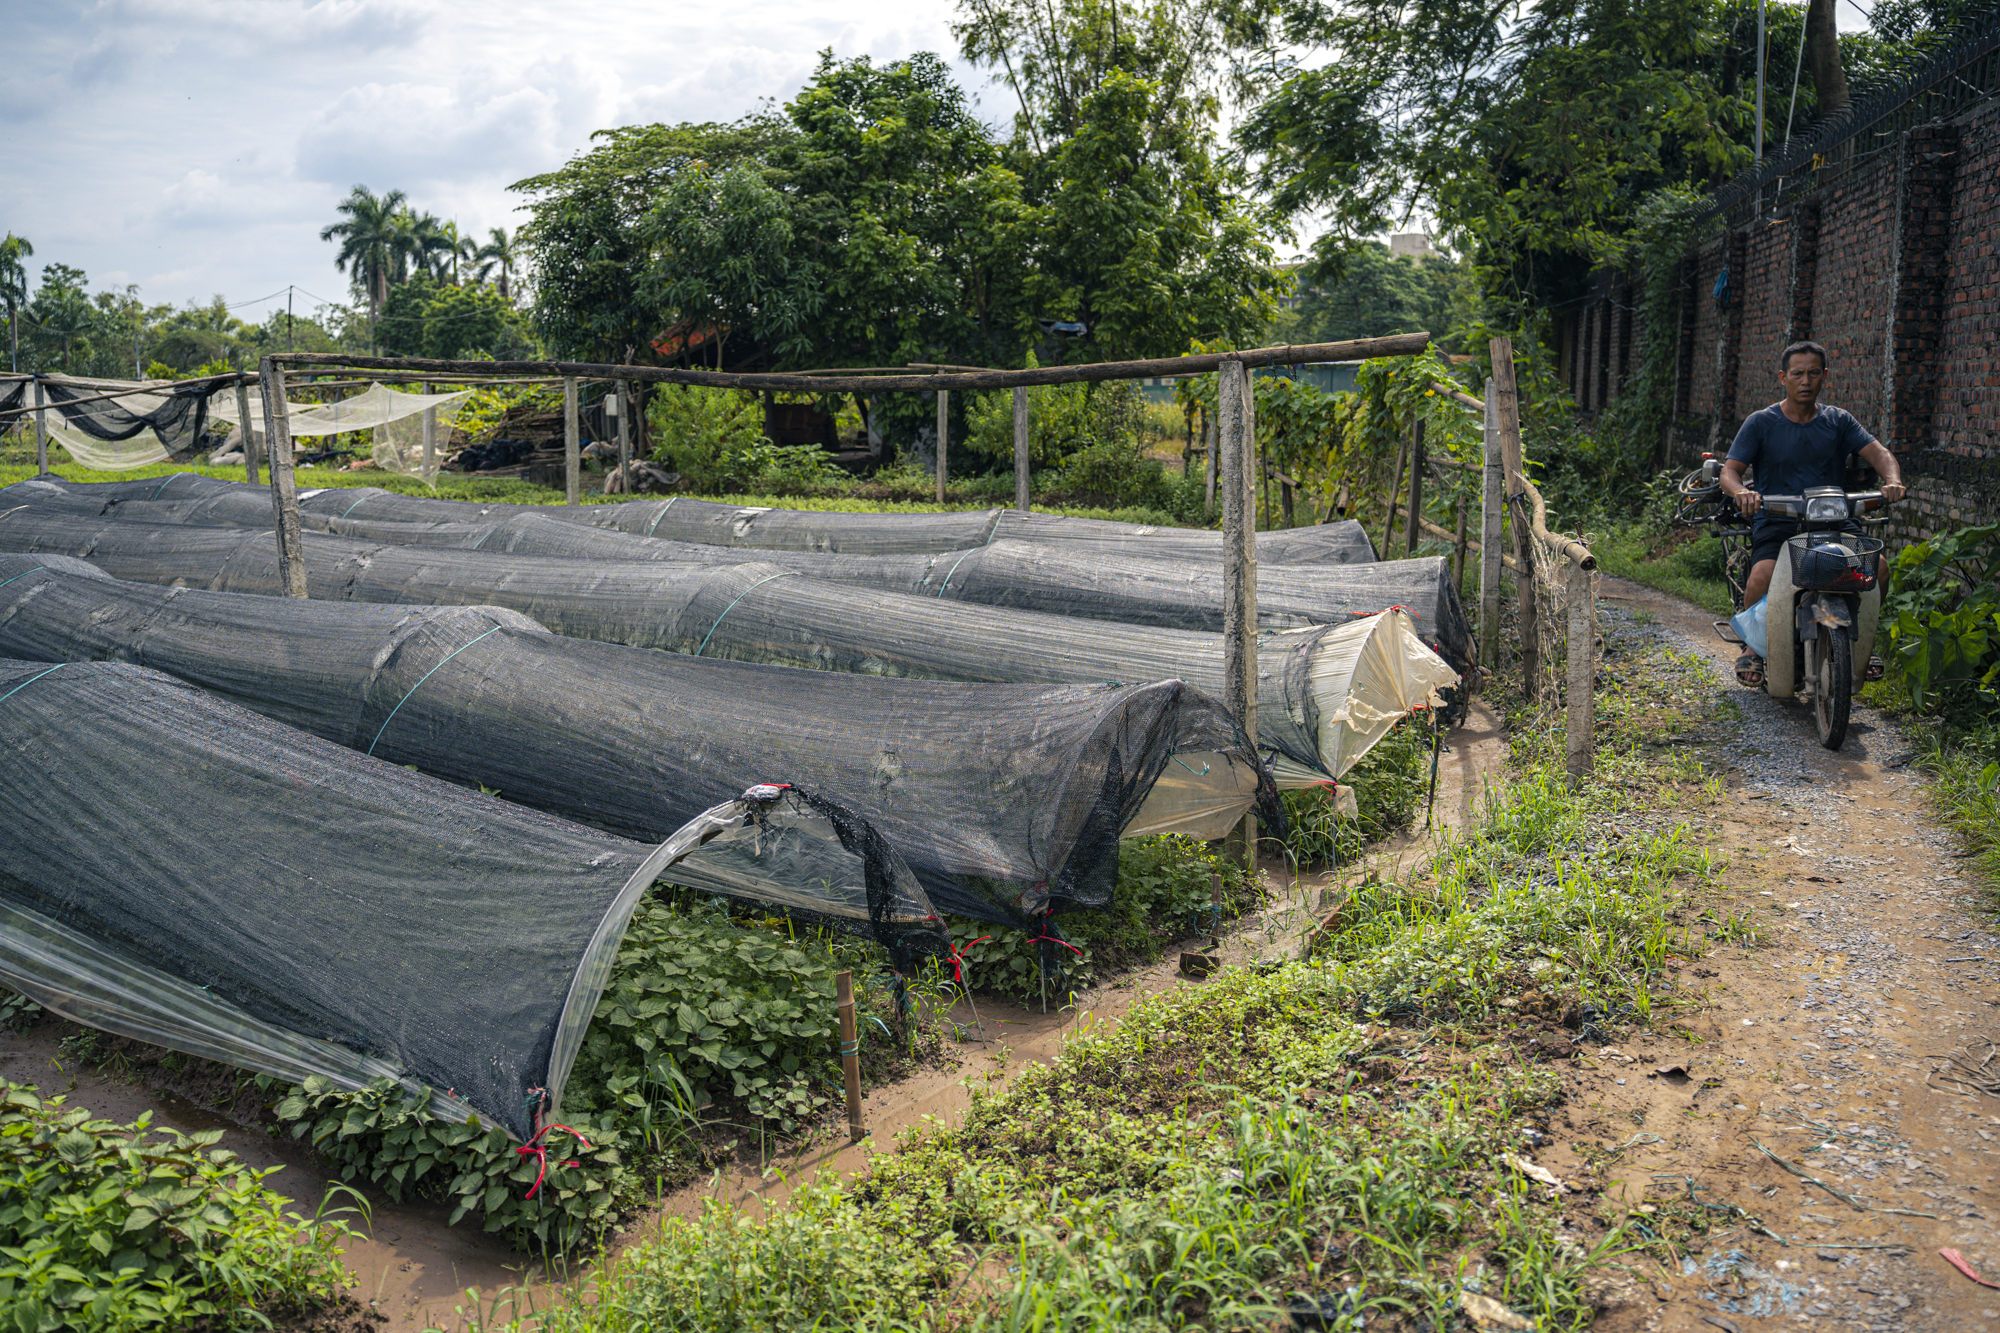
[[1729, 347], [1926, 164], [1804, 268]]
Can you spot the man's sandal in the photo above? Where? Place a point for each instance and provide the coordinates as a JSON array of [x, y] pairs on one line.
[[1875, 669], [1750, 670]]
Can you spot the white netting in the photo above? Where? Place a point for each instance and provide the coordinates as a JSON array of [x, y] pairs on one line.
[[401, 422]]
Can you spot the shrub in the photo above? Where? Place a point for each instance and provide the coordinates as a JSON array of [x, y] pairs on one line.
[[108, 1226], [1942, 613]]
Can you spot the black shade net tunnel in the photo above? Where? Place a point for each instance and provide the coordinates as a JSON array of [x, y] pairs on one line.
[[759, 613], [1002, 799], [180, 870], [1054, 579], [168, 419], [707, 523]]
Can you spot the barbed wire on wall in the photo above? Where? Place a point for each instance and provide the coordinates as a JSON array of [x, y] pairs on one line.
[[1941, 85]]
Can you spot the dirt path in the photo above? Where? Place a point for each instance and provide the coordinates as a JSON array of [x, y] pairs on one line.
[[1820, 1044]]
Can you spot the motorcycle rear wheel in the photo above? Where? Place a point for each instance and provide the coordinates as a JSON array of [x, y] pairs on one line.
[[1833, 693]]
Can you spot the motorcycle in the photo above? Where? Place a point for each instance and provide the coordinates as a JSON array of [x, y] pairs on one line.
[[1825, 599]]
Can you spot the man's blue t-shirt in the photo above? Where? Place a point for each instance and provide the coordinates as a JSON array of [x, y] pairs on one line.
[[1789, 458]]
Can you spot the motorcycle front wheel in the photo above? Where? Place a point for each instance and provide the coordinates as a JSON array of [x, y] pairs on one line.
[[1833, 691]]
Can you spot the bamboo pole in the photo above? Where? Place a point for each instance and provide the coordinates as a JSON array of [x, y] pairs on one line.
[[943, 439], [1416, 485], [850, 1052], [1580, 719], [1236, 439], [1021, 449], [1491, 501], [1395, 489], [1357, 349], [284, 488], [1459, 541], [1506, 398], [41, 432], [572, 458], [622, 400], [249, 435]]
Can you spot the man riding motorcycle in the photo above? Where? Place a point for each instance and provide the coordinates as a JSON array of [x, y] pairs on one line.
[[1795, 444]]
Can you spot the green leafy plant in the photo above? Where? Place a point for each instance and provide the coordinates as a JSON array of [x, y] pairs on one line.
[[109, 1226], [1389, 785], [1943, 616], [722, 1011], [16, 1010], [1163, 894], [396, 1143]]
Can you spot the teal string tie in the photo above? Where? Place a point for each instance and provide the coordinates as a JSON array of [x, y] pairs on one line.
[[30, 681], [23, 574], [732, 606], [419, 685]]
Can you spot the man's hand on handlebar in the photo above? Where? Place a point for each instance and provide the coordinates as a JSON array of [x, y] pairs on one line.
[[1892, 491], [1748, 502]]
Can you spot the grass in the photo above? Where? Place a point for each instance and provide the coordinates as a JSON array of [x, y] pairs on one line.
[[1687, 564], [1332, 1130]]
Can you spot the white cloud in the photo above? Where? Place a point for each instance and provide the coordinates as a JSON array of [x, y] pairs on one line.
[[197, 146]]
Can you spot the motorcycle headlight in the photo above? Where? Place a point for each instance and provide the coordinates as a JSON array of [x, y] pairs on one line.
[[1826, 508]]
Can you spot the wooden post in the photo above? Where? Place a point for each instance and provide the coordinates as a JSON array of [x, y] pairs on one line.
[[41, 431], [943, 440], [623, 401], [1236, 436], [284, 488], [1208, 443], [1492, 508], [1215, 909], [1021, 449], [1459, 539], [1416, 485], [1580, 721], [249, 435], [572, 459], [1395, 489], [1508, 417], [850, 1052]]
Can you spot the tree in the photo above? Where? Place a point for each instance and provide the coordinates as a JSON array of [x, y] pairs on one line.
[[1374, 294], [14, 291], [429, 316], [376, 242], [1823, 57], [498, 252], [1531, 139], [63, 308], [725, 263]]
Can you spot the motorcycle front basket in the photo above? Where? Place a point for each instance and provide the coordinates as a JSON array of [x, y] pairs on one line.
[[1834, 561]]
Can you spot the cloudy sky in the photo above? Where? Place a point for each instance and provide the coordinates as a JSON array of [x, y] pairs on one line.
[[196, 147]]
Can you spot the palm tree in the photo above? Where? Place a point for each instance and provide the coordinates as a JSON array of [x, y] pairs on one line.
[[374, 243], [498, 252], [430, 241], [14, 291]]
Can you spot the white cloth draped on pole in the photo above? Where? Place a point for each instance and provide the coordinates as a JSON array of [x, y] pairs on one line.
[[398, 420]]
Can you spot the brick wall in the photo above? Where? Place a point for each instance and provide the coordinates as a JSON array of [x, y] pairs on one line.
[[1895, 268]]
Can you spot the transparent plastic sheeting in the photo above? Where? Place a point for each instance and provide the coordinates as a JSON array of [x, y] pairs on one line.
[[184, 871], [112, 434], [1027, 787], [398, 419], [706, 523], [1027, 576], [750, 613]]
